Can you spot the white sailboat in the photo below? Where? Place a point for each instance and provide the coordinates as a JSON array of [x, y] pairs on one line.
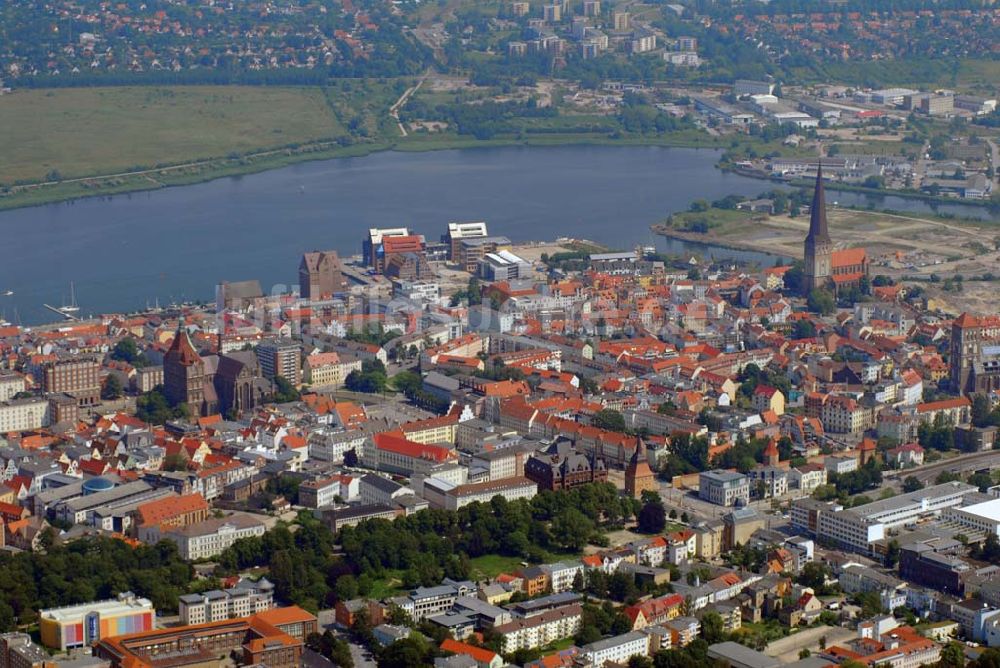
[[72, 307]]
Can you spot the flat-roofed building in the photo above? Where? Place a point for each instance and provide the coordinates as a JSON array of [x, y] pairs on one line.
[[503, 266], [459, 231], [84, 624], [724, 488], [735, 655], [245, 599], [471, 251], [79, 376], [280, 357], [984, 516], [274, 638], [110, 509]]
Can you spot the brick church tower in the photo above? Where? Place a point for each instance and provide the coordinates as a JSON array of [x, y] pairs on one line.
[[638, 476]]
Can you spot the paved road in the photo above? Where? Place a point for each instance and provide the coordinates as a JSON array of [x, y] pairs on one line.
[[960, 464], [360, 654]]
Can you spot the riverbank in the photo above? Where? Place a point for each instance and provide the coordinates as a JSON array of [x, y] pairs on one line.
[[101, 186], [853, 188]]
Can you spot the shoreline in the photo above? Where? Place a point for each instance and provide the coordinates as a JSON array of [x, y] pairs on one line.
[[707, 240], [863, 190], [211, 169]]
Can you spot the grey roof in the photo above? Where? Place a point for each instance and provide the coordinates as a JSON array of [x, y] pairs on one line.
[[720, 475], [614, 641], [455, 661], [108, 496], [382, 484], [210, 526], [439, 380], [544, 602], [452, 619], [915, 499], [741, 655], [470, 604]]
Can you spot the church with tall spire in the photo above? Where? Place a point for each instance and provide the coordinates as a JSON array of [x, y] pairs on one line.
[[826, 268]]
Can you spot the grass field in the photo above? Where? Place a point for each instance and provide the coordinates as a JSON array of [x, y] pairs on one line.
[[491, 565], [87, 131]]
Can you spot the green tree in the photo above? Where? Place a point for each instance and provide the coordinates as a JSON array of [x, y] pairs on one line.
[[821, 301], [609, 420], [571, 528], [284, 391], [126, 350], [912, 484], [112, 388], [652, 518], [712, 628]]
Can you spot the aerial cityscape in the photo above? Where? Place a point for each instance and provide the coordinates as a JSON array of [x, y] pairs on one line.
[[486, 333]]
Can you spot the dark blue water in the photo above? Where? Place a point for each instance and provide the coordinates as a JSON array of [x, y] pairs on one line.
[[178, 243]]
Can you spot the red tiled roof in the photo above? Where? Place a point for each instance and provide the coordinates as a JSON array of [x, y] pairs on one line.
[[477, 653], [407, 448], [161, 510]]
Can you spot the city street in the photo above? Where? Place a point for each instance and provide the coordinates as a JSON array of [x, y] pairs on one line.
[[361, 656]]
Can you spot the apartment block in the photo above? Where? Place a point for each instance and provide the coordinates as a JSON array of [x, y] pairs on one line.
[[245, 599]]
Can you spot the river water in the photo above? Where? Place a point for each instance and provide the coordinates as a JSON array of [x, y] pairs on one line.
[[175, 244]]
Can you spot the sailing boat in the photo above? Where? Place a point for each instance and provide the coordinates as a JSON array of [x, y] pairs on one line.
[[72, 308]]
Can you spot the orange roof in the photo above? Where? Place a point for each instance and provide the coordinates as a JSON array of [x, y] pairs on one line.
[[397, 444], [944, 404], [478, 653], [506, 388], [161, 510], [288, 615]]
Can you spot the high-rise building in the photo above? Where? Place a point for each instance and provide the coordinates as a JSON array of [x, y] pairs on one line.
[[184, 372], [321, 275], [280, 357], [818, 245], [621, 21], [77, 376], [458, 231]]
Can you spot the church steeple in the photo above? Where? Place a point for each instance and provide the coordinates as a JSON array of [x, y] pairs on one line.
[[818, 248], [818, 231]]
